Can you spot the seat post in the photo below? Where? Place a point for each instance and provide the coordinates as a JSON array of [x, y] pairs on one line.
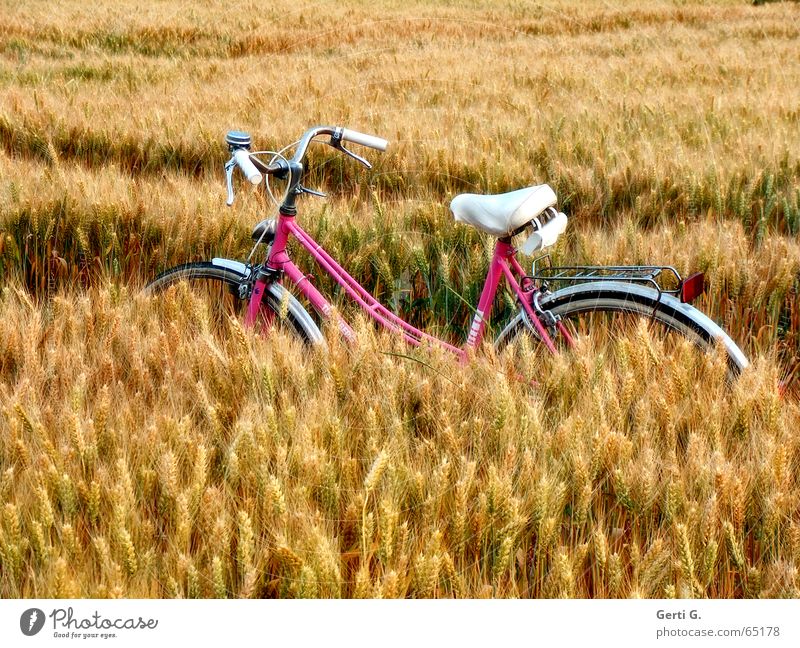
[[503, 247], [503, 250]]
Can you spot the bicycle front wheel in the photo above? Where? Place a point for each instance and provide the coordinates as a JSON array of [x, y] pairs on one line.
[[613, 304], [218, 282]]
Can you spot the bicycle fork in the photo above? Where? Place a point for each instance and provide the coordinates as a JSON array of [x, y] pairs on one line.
[[254, 305]]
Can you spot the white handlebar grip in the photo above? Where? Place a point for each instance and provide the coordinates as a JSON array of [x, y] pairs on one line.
[[242, 158], [365, 140]]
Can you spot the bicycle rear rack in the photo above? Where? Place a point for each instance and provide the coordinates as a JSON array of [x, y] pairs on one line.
[[663, 279]]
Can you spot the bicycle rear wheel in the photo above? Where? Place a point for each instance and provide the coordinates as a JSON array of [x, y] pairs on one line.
[[218, 282], [583, 307]]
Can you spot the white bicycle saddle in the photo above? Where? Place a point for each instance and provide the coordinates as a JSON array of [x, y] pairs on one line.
[[501, 214]]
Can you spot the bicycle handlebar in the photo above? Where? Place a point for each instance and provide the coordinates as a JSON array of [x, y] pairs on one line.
[[337, 133], [254, 169], [365, 140], [243, 161]]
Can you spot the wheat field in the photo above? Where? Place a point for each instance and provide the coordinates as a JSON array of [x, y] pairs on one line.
[[148, 449]]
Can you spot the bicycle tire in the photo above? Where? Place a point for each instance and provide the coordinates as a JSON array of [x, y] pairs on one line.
[[231, 274], [620, 297]]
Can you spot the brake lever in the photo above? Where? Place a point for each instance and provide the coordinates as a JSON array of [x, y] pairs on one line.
[[355, 156], [229, 177], [336, 142]]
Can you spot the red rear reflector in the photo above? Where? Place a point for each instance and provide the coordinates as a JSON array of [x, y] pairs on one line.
[[692, 287]]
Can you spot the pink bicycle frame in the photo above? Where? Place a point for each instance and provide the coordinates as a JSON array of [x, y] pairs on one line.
[[503, 264]]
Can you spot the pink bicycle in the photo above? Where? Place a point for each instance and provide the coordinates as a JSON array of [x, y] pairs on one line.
[[555, 303]]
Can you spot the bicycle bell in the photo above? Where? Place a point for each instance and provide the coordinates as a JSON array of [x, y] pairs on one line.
[[237, 139]]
